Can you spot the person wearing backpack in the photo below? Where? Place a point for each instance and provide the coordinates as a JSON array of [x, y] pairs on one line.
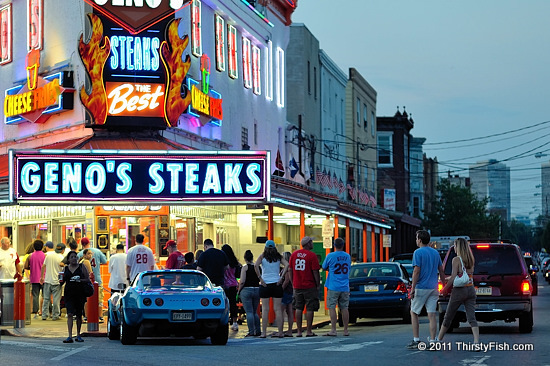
[[463, 292]]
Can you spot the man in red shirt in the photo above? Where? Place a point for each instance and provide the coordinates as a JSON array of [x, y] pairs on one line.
[[175, 260], [304, 269]]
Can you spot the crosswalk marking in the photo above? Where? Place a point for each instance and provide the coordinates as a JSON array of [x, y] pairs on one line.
[[348, 347]]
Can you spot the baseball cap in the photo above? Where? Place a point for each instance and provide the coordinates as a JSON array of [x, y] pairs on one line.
[[49, 244], [306, 240], [85, 241], [270, 244], [170, 243], [60, 248]]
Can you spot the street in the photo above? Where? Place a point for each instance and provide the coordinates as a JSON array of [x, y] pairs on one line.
[[370, 342]]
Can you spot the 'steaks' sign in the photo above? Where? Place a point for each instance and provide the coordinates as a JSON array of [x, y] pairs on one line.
[[137, 15], [206, 177]]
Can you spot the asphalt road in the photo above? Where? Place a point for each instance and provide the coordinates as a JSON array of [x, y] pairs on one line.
[[371, 342]]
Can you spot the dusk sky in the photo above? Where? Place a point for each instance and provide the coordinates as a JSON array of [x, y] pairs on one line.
[[466, 70]]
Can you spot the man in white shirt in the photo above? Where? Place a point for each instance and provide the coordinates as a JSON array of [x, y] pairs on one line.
[[140, 258], [117, 269], [50, 279], [10, 266]]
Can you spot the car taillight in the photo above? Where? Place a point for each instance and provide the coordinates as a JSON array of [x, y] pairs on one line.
[[147, 301], [482, 246], [526, 287], [217, 301], [439, 286], [205, 301], [401, 288], [159, 301]]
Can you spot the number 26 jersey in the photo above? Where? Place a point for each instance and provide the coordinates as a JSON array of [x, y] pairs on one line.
[[140, 258]]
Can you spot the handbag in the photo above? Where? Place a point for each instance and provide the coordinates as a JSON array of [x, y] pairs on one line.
[[88, 289], [463, 279]]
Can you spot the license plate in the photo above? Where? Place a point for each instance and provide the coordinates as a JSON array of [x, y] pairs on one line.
[[371, 288], [188, 315], [484, 291]]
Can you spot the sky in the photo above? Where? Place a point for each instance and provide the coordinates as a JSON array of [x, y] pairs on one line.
[[474, 74]]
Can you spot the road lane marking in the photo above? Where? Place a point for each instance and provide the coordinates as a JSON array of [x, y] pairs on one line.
[[35, 345], [478, 361], [348, 347], [70, 353]]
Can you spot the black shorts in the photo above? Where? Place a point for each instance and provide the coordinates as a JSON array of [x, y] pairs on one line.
[[272, 290]]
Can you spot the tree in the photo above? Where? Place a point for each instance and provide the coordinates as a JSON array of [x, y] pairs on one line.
[[459, 212], [520, 234]]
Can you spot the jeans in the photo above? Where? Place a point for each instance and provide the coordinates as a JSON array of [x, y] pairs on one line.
[[250, 297], [55, 291], [36, 287]]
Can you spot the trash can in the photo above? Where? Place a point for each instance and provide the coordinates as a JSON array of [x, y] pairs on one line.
[[6, 288]]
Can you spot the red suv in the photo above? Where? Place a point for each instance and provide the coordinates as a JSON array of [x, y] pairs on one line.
[[503, 286]]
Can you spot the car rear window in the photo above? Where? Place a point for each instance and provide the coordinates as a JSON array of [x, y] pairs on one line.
[[495, 259], [164, 281], [374, 271]]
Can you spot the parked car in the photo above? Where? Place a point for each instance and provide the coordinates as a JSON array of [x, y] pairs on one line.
[[533, 270], [545, 268], [379, 290], [169, 302], [503, 286], [406, 259]]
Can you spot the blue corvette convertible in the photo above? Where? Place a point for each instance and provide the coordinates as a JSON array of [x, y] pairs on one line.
[[166, 303]]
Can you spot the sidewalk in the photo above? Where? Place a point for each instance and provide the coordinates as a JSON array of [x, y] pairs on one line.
[[58, 329]]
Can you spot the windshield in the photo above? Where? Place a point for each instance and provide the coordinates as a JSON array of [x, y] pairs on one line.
[[174, 281], [374, 270], [493, 260]]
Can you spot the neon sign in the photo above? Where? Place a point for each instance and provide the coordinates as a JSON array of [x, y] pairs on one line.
[[5, 34], [35, 24], [130, 99], [256, 81], [137, 15], [177, 176], [220, 43], [280, 77], [40, 96], [269, 71], [196, 32], [232, 51], [247, 64], [135, 53], [205, 101]]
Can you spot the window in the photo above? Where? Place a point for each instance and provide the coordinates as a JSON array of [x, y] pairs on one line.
[[373, 179], [308, 78], [366, 176], [358, 111], [196, 32], [244, 138], [35, 22], [256, 72], [6, 29], [280, 77], [385, 151], [220, 43], [406, 151], [247, 63], [365, 117], [232, 51], [372, 123], [269, 71], [255, 133], [416, 206]]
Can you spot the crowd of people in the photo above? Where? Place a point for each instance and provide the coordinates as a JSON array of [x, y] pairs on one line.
[[288, 281]]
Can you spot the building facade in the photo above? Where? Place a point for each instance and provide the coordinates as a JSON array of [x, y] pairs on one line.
[[491, 179], [416, 204]]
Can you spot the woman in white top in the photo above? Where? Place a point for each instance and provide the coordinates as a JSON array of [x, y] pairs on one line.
[[271, 279]]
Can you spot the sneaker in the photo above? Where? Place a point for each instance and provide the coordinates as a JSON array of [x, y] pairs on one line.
[[413, 345], [36, 316], [235, 326]]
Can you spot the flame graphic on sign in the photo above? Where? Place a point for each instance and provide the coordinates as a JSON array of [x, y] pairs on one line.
[[94, 54], [176, 69]]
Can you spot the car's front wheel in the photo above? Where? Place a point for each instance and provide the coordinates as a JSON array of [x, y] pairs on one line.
[[220, 337], [128, 334]]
